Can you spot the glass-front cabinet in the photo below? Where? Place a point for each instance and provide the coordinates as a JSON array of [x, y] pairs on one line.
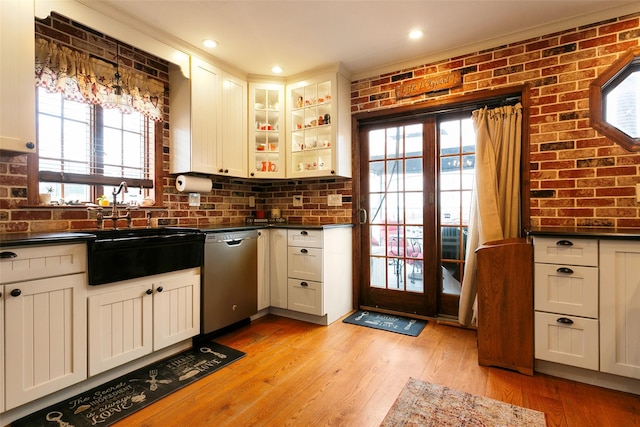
[[319, 123], [267, 151]]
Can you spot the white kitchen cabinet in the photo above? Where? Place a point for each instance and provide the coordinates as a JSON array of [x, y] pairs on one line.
[[620, 307], [278, 268], [319, 272], [319, 125], [44, 296], [133, 318], [231, 153], [566, 301], [17, 88], [196, 117], [264, 293], [267, 147]]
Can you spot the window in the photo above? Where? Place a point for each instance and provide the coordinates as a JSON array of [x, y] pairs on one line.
[[85, 149], [614, 101]]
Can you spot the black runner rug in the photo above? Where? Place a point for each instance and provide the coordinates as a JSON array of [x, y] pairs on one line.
[[387, 322], [118, 398]]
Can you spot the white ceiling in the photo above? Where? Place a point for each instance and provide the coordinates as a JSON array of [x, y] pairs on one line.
[[368, 37]]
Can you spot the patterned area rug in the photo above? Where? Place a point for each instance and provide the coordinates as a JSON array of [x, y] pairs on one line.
[[429, 405], [104, 405]]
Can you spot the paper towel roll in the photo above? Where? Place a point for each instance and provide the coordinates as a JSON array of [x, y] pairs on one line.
[[193, 184]]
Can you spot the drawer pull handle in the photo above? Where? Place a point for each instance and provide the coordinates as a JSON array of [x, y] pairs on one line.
[[305, 284], [304, 251], [16, 292], [565, 321], [565, 270], [7, 254], [304, 232], [564, 243]]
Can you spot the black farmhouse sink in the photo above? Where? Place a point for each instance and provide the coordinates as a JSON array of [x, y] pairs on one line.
[[124, 254]]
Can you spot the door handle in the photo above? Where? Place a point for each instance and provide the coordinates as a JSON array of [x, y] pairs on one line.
[[362, 216]]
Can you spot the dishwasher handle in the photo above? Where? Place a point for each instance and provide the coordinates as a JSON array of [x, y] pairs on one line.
[[233, 242]]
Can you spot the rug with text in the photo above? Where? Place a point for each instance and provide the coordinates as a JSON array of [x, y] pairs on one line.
[[387, 322], [429, 405], [116, 399]]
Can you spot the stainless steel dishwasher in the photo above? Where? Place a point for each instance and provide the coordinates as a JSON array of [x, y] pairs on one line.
[[230, 279]]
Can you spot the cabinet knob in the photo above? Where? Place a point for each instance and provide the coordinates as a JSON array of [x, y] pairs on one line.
[[149, 292], [304, 251], [565, 270], [564, 243], [333, 172], [30, 145], [226, 171], [304, 232], [252, 174], [220, 170], [16, 292], [7, 254], [160, 289], [305, 284], [565, 321]]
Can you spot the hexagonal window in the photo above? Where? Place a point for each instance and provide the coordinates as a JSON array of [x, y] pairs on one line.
[[614, 101]]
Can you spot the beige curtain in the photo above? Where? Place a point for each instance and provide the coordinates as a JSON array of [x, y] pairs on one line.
[[495, 205], [85, 79]]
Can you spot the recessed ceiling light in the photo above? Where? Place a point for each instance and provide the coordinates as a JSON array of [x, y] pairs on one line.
[[415, 34], [210, 43], [277, 69]]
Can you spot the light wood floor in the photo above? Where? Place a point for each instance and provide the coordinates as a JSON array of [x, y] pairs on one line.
[[299, 374]]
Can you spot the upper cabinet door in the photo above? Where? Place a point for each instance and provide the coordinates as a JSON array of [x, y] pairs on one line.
[[196, 117], [319, 127], [267, 148], [17, 87], [232, 149]]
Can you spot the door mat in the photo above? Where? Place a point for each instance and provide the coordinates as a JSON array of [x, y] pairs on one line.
[[429, 405], [118, 398], [387, 322]]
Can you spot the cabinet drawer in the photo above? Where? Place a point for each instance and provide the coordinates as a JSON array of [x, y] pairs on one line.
[[574, 342], [31, 263], [310, 238], [559, 250], [305, 296], [566, 289], [304, 263]]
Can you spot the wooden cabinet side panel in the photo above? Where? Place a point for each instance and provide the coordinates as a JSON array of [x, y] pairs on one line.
[[278, 268], [505, 306]]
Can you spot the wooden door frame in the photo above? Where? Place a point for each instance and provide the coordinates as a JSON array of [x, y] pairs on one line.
[[475, 99]]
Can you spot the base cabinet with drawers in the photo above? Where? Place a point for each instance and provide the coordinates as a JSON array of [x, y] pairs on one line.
[[587, 308], [311, 273]]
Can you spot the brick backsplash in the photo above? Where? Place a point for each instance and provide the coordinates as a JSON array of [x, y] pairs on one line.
[[578, 177]]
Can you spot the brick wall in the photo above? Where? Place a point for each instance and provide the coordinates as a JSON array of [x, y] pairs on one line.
[[226, 204], [578, 177]]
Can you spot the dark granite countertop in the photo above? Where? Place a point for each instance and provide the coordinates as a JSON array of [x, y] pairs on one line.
[[63, 237], [587, 232]]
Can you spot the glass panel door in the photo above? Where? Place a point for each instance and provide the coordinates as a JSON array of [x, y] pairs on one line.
[[395, 187]]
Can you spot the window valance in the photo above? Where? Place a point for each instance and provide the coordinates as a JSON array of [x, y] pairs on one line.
[[86, 79]]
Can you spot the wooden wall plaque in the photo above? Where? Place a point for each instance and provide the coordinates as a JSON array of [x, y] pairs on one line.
[[432, 83]]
